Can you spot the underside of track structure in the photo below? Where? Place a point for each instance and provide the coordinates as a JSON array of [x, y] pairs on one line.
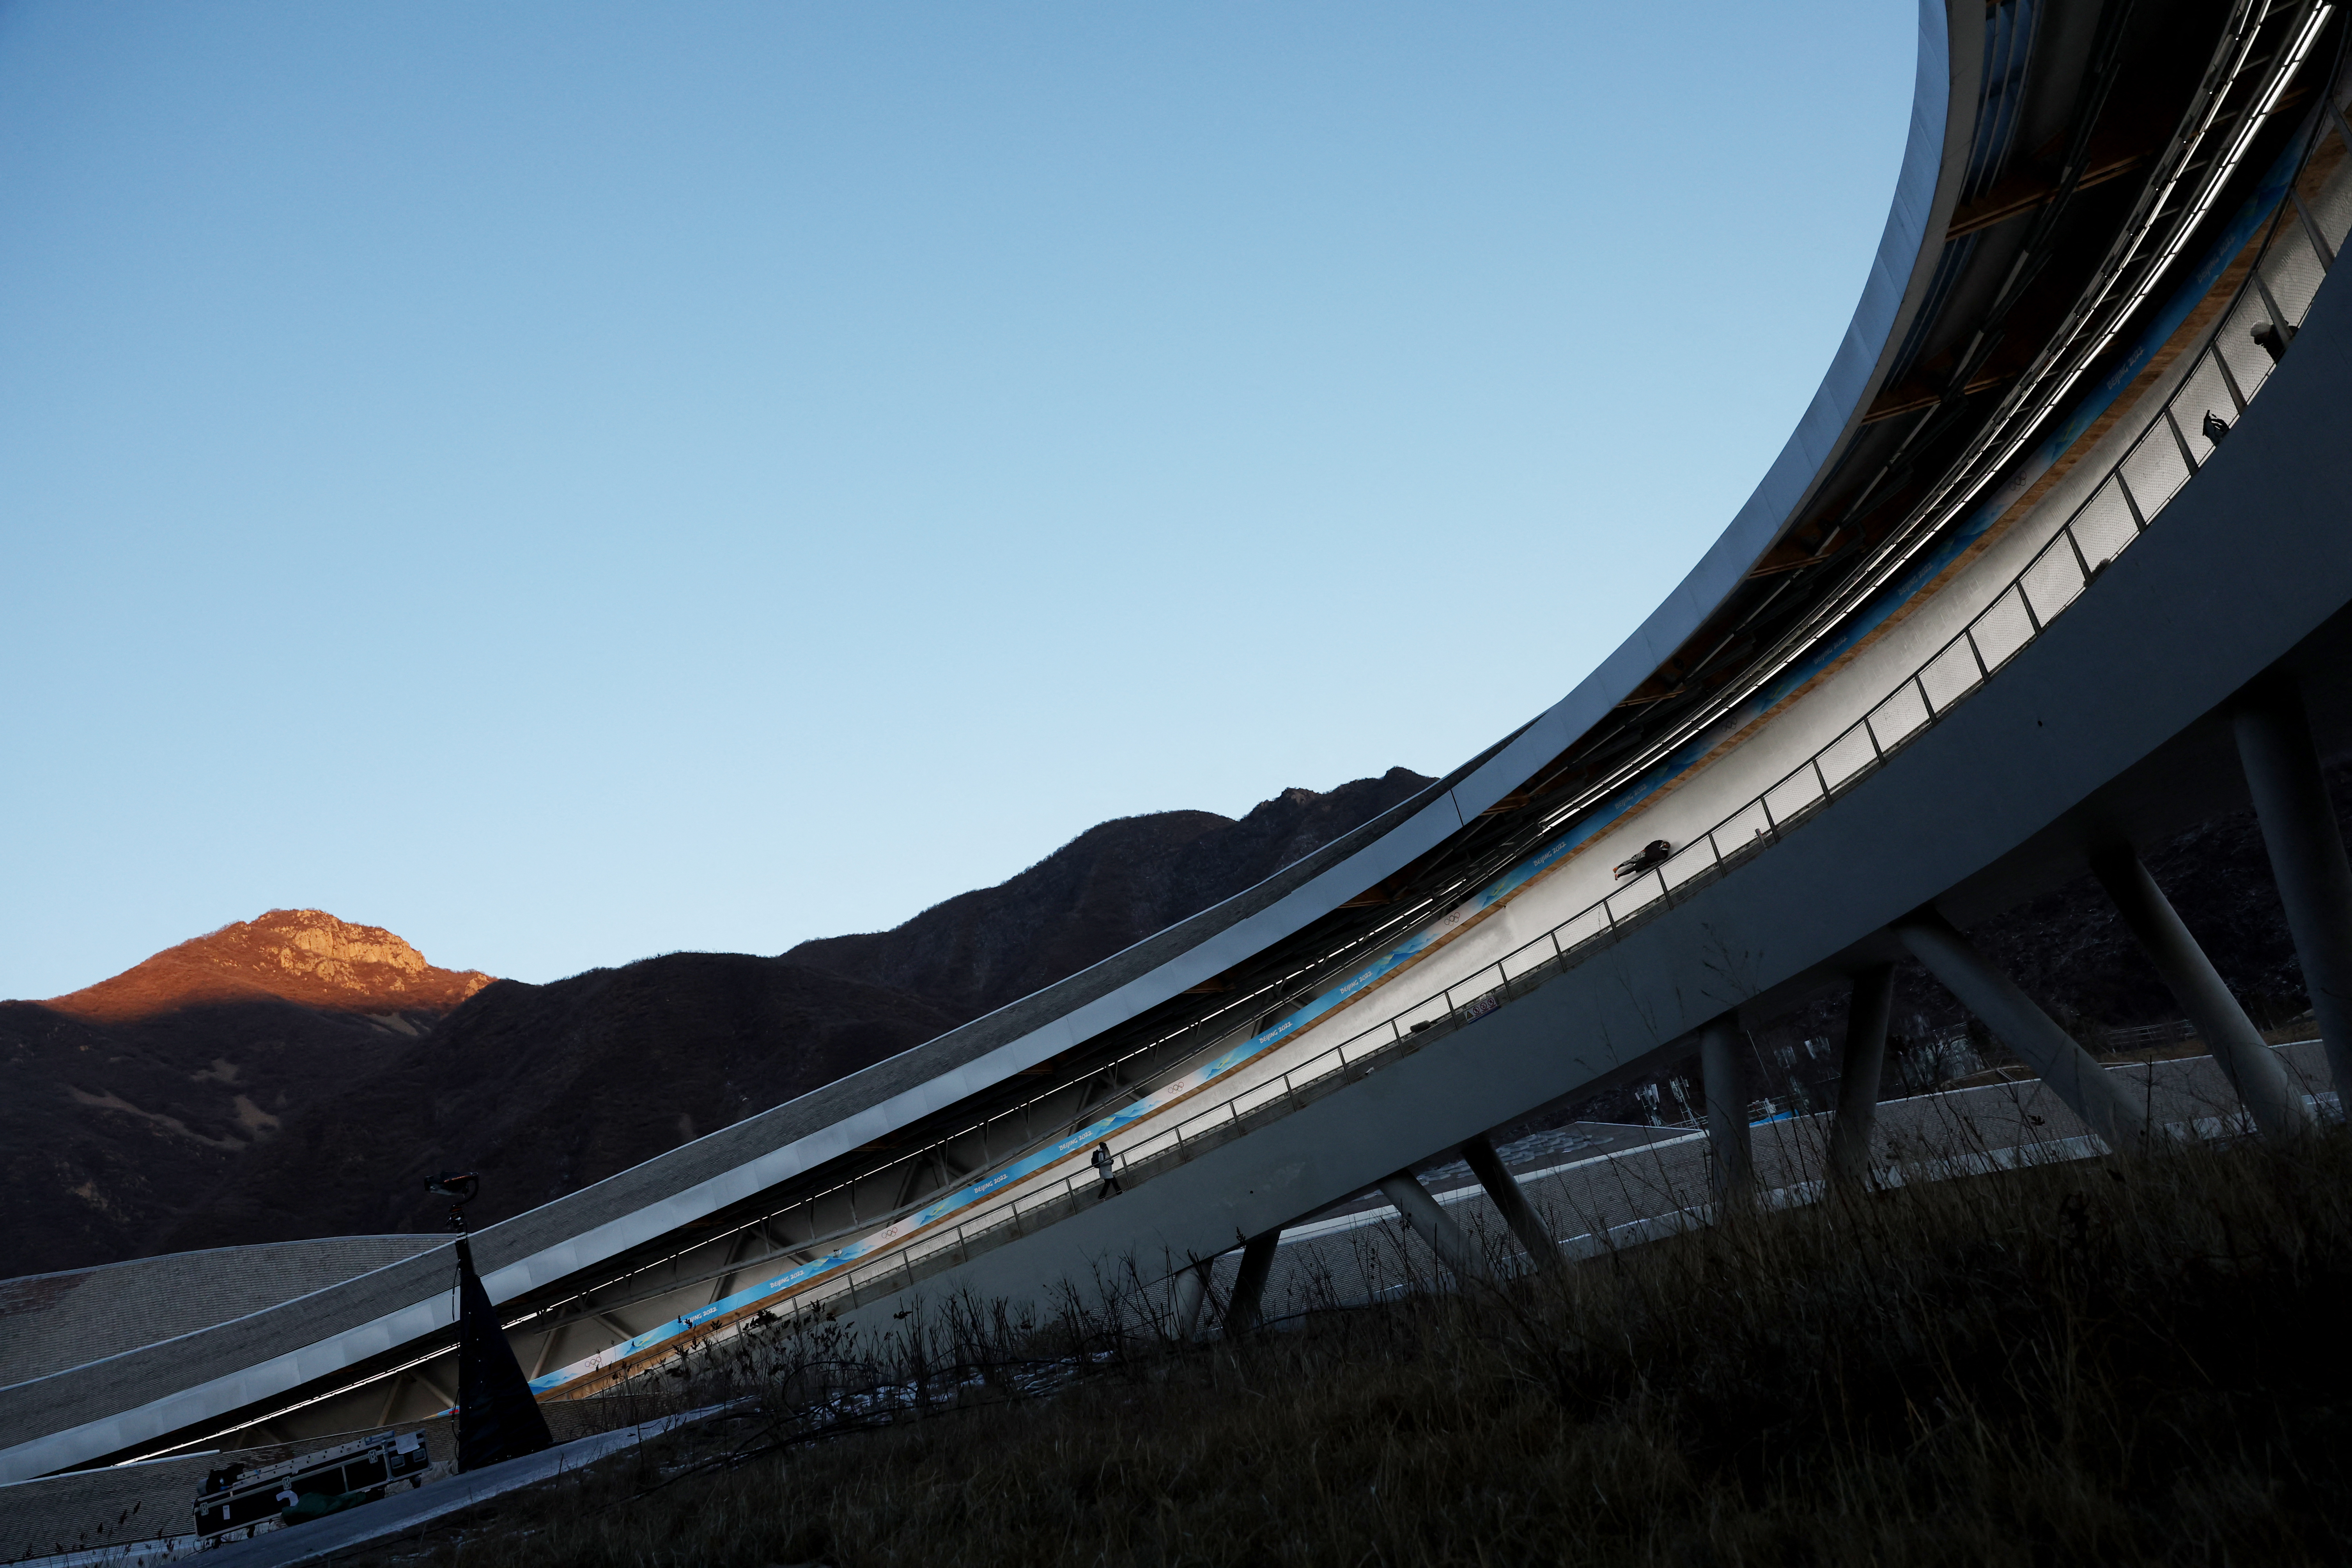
[[2007, 497]]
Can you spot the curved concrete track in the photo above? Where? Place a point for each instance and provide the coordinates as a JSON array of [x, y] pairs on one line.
[[1993, 610]]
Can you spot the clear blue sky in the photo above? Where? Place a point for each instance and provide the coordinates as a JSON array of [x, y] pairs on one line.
[[571, 481]]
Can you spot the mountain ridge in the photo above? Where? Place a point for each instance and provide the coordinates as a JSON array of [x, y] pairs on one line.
[[305, 956], [308, 1071]]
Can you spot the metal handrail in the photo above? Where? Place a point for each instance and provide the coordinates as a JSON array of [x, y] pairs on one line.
[[2059, 572], [2035, 595]]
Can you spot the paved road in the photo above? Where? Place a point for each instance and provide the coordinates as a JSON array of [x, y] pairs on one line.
[[1597, 1184]]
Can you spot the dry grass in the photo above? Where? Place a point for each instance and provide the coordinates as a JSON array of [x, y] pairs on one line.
[[2116, 1362]]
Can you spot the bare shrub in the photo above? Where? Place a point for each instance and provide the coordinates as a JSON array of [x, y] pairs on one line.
[[2115, 1361]]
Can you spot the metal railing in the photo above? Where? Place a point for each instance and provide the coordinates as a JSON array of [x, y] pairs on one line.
[[2168, 451], [2159, 462]]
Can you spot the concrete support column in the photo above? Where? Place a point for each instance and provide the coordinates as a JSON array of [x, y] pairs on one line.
[[2306, 852], [1192, 1295], [1858, 1072], [1249, 1285], [1421, 1212], [1725, 1079], [397, 1380], [1511, 1199], [2087, 1088], [2259, 1078]]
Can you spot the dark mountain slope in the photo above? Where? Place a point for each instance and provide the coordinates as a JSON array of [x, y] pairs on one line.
[[543, 1088], [125, 1105], [1107, 890], [110, 1134], [127, 1137]]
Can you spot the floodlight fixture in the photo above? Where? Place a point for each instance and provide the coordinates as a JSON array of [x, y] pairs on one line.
[[459, 1187]]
